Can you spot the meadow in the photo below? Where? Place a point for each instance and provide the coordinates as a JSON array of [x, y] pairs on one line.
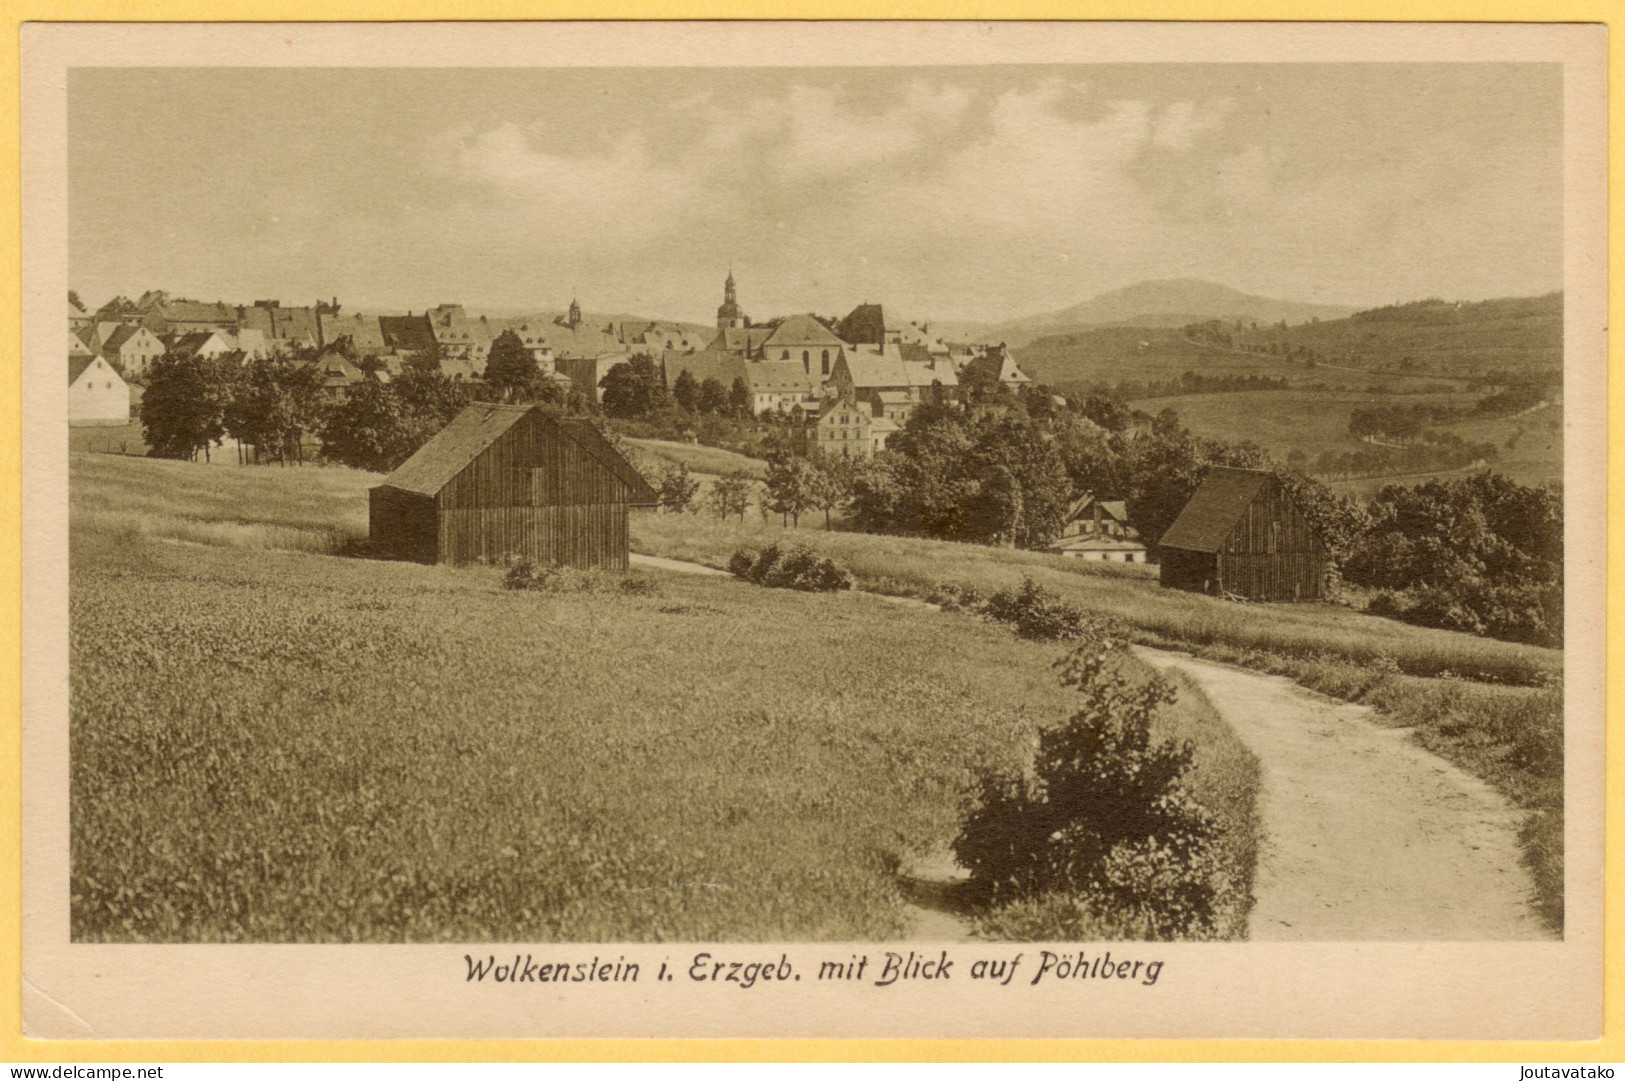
[[298, 747], [663, 453], [1529, 448], [1492, 707]]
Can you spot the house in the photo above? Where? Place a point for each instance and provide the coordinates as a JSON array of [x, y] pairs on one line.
[[407, 335], [97, 394], [863, 325], [286, 330], [1098, 530], [205, 344], [459, 337], [505, 481], [339, 373], [77, 346], [999, 364], [1242, 535], [366, 337], [838, 427], [130, 348], [803, 340], [880, 378], [165, 317]]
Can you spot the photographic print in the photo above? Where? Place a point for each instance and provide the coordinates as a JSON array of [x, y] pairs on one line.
[[832, 529]]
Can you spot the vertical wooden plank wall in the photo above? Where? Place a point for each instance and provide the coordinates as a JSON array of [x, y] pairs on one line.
[[536, 493], [1273, 554]]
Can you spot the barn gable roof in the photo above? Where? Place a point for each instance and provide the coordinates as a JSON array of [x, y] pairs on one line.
[[1215, 508], [478, 426], [77, 366]]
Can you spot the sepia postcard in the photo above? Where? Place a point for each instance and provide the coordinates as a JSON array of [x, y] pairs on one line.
[[756, 529]]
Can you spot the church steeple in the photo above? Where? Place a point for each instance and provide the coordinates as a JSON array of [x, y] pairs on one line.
[[574, 318], [729, 315]]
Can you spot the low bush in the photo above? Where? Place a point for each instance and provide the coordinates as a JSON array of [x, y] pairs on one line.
[[790, 566], [1036, 613], [561, 580], [1102, 816]]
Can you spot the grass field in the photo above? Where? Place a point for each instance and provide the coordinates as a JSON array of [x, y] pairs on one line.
[[1282, 421], [303, 747], [699, 459], [1136, 354]]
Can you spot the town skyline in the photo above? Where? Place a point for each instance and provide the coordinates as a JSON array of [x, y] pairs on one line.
[[949, 194]]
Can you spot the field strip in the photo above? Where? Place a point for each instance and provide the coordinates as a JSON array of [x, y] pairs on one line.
[[1366, 836]]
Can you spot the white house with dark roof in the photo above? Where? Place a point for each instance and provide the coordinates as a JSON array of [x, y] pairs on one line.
[[131, 348], [97, 394], [1098, 530]]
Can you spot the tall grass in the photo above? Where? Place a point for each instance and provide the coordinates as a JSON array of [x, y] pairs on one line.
[[304, 748], [303, 509], [908, 566]]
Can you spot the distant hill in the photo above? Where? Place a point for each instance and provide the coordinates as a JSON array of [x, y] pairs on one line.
[[1171, 302], [1406, 345]]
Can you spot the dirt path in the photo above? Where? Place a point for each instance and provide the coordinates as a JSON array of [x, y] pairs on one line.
[[1366, 835]]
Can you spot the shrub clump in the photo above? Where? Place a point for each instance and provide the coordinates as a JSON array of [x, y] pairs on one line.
[[790, 566], [558, 580], [1100, 825], [1035, 612]]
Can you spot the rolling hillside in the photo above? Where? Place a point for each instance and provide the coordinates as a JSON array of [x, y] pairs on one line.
[[1172, 302], [1433, 337]]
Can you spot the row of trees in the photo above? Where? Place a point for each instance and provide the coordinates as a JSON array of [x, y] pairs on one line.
[[274, 404]]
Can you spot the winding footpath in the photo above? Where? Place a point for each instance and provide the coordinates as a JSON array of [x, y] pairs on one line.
[[1365, 835]]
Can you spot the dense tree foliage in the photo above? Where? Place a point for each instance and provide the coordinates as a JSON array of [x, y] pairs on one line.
[[510, 368], [183, 411], [634, 388]]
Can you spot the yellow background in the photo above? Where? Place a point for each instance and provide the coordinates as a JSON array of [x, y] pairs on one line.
[[14, 1048]]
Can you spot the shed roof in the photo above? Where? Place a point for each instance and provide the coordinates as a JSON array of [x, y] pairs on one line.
[[1215, 508], [481, 424]]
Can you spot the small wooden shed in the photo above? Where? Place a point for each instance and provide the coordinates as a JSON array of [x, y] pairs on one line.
[[1241, 534], [510, 480]]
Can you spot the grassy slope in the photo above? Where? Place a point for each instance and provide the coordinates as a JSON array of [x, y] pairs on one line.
[[391, 752], [1505, 734], [1281, 421], [394, 752], [1115, 354], [1522, 334], [912, 567], [699, 459]]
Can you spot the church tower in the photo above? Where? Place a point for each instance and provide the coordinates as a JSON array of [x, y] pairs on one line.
[[573, 320], [729, 315]]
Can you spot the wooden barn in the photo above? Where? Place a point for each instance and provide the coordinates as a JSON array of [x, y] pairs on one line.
[[1241, 535], [509, 480]]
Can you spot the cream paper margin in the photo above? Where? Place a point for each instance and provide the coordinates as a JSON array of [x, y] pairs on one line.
[[1482, 991]]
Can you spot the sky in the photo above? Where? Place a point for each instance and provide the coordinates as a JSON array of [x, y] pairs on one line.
[[966, 193]]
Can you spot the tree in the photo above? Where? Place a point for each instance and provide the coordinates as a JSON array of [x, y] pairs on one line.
[[832, 483], [633, 388], [274, 403], [510, 368], [791, 485], [370, 429], [686, 391], [713, 397], [677, 489], [740, 399], [183, 409], [730, 495]]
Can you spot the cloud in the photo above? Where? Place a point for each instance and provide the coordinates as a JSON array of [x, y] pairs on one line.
[[613, 195]]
